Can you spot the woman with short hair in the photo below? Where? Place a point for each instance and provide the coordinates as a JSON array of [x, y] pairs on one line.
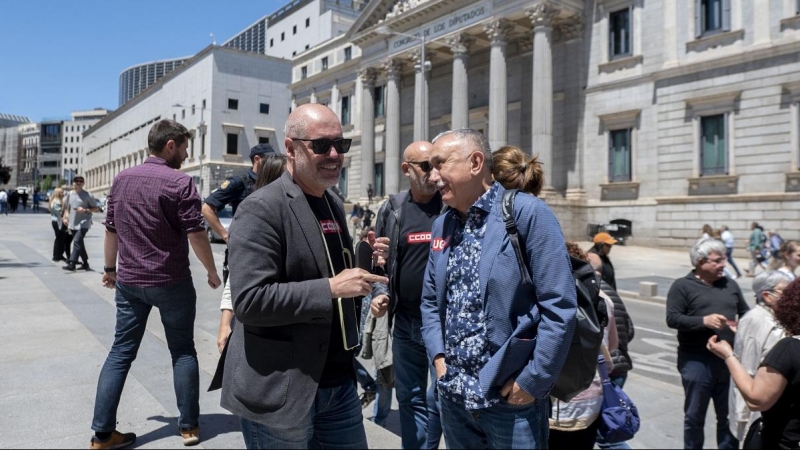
[[60, 244]]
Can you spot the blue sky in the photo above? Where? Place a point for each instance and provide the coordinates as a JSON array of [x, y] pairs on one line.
[[59, 56]]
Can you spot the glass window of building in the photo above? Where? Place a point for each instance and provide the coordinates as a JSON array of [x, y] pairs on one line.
[[308, 22], [283, 36], [303, 72], [619, 157], [271, 42], [325, 63], [712, 16], [713, 145], [263, 140], [232, 144], [348, 53], [233, 104], [379, 104], [345, 110], [294, 29], [620, 33], [378, 180], [192, 109], [183, 114], [343, 181], [264, 108]]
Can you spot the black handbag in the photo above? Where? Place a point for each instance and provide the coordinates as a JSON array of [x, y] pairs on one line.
[[753, 439]]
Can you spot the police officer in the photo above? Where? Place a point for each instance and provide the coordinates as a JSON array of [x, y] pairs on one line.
[[233, 191]]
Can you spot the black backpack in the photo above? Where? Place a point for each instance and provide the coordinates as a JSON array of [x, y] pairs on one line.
[[581, 364]]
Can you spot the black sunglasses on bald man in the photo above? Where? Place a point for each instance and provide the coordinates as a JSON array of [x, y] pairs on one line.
[[322, 146]]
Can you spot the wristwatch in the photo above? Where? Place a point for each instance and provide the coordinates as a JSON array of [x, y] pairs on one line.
[[112, 269]]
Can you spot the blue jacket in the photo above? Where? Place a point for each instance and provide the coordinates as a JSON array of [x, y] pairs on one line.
[[529, 327]]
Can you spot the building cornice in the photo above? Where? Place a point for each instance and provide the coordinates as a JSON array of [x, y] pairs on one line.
[[332, 73]]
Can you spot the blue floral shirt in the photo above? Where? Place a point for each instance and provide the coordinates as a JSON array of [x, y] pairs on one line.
[[466, 347]]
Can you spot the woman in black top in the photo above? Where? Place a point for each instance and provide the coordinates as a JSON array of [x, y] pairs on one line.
[[775, 389]]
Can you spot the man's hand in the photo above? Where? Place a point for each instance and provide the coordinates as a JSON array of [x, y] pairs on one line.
[[380, 248], [515, 394], [715, 321], [213, 280], [379, 305], [439, 365], [354, 283], [110, 279]]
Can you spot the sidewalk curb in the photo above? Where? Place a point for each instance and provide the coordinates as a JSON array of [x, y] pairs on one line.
[[635, 295]]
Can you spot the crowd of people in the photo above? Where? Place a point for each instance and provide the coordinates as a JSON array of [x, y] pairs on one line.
[[470, 336], [13, 200]]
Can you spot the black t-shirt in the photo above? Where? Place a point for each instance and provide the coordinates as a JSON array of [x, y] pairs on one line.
[[782, 421], [412, 251], [339, 363]]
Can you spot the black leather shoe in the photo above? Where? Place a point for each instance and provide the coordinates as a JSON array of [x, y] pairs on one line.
[[70, 267], [85, 266]]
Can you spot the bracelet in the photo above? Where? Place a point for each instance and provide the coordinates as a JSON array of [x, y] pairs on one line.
[[732, 354], [112, 269]]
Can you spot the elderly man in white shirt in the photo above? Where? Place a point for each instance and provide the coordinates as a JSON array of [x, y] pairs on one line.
[[757, 333]]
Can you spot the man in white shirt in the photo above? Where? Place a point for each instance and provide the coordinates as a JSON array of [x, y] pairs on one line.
[[3, 202], [727, 239]]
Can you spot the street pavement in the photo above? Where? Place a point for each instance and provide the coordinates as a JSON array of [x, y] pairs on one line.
[[58, 327]]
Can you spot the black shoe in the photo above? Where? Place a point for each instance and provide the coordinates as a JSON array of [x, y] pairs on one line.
[[85, 266], [70, 267]]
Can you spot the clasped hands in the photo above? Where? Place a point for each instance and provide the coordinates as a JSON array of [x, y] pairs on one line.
[[511, 391]]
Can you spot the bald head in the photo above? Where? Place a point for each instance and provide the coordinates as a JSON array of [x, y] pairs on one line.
[[417, 151], [311, 113]]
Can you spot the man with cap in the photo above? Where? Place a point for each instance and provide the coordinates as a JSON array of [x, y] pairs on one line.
[[77, 216], [233, 191], [602, 247]]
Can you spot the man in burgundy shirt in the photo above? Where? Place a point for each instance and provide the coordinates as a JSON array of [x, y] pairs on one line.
[[152, 208]]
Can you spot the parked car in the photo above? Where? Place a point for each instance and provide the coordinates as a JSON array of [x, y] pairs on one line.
[[225, 216]]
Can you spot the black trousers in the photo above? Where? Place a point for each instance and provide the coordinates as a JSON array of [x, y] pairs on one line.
[[78, 246], [61, 243]]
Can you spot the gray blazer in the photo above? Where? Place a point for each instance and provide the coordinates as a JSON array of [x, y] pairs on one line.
[[282, 303]]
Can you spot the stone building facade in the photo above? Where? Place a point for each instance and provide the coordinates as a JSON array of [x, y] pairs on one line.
[[666, 113]]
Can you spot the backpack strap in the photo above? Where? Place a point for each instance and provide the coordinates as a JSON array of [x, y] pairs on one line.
[[513, 234]]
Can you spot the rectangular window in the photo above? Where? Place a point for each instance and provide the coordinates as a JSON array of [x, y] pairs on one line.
[[343, 181], [272, 42], [263, 140], [192, 109], [183, 114], [303, 72], [191, 148], [619, 37], [264, 108], [294, 29], [325, 63], [204, 104], [378, 180], [348, 52], [379, 106], [232, 145], [345, 110], [308, 22], [283, 36], [712, 16], [713, 145], [233, 104], [619, 158]]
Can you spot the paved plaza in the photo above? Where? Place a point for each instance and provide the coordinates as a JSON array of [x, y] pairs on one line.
[[58, 327]]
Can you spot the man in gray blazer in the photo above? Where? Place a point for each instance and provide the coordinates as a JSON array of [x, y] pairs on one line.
[[289, 371]]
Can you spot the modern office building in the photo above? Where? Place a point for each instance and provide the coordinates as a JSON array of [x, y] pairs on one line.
[[50, 149], [636, 112], [136, 79], [9, 144], [72, 162], [27, 160], [231, 100], [251, 39]]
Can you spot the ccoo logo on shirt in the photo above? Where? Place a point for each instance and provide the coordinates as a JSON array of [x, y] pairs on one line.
[[330, 226], [418, 238]]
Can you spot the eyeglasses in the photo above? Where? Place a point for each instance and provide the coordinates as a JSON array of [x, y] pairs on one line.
[[323, 145], [424, 166], [77, 181], [717, 260]]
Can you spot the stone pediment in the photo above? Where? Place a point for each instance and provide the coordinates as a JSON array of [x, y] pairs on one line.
[[393, 12]]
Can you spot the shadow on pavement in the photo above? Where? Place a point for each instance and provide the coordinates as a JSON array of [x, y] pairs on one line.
[[16, 265], [211, 426]]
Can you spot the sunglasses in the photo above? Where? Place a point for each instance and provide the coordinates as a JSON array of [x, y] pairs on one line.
[[424, 166], [77, 181], [323, 145]]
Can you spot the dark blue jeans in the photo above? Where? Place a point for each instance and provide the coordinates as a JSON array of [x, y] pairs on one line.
[[334, 421], [500, 426], [78, 246], [176, 304], [729, 254], [411, 372], [705, 377]]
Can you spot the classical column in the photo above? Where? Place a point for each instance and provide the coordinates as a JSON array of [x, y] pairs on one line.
[[334, 103], [421, 121], [314, 95], [391, 165], [459, 45], [542, 16], [498, 31], [367, 77], [294, 103]]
